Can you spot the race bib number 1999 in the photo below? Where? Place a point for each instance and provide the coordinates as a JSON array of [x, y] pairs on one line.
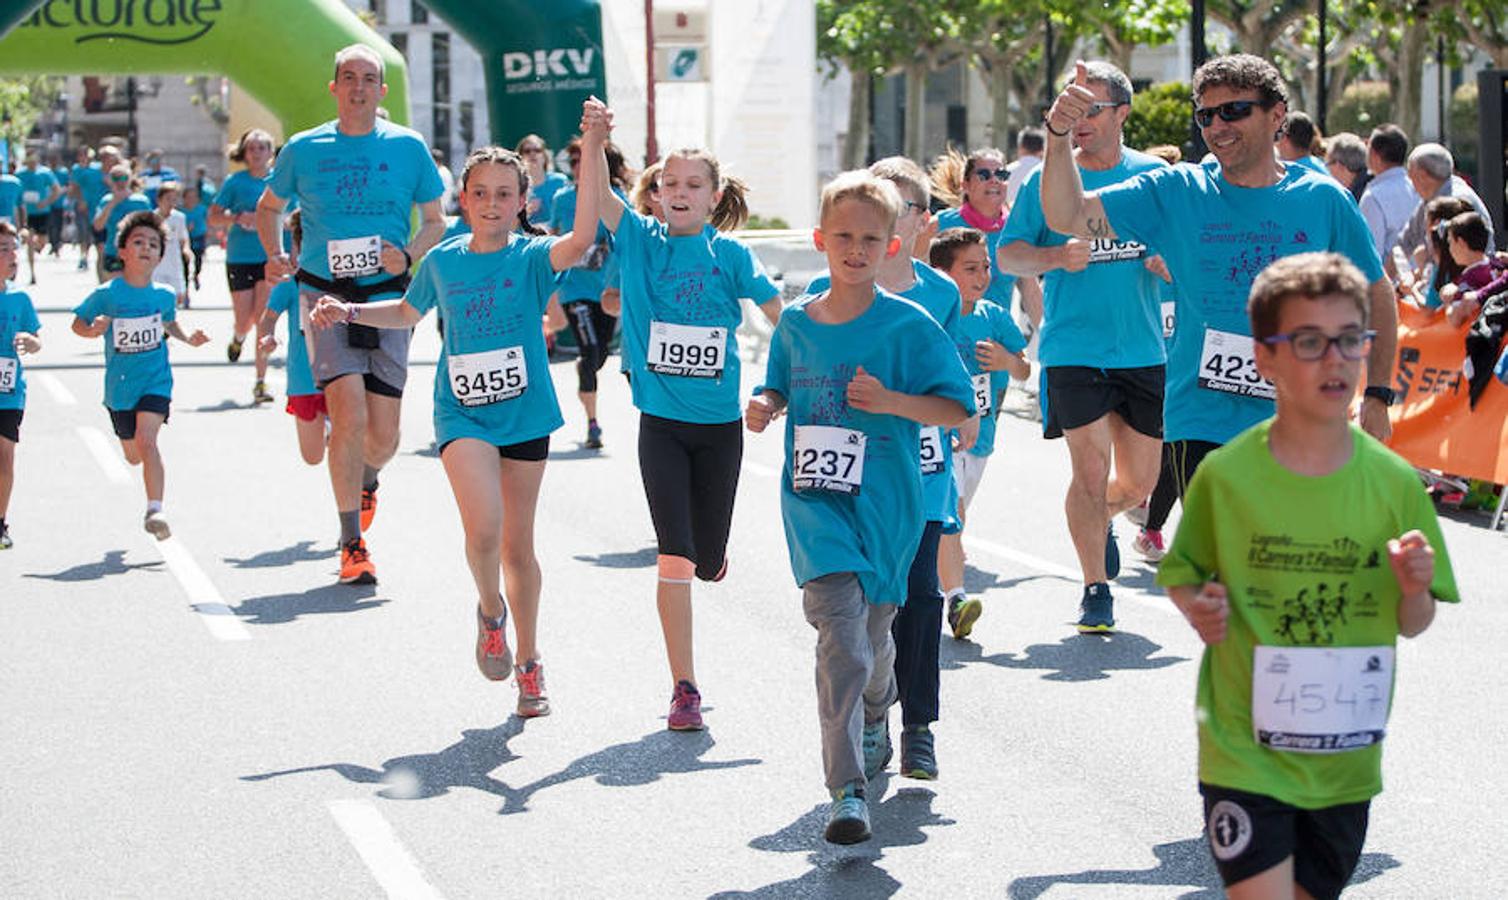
[[354, 257], [826, 458], [1228, 364], [687, 350]]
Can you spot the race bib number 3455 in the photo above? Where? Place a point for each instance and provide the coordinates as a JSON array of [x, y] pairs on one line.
[[1320, 699], [354, 257], [826, 458], [477, 379], [1228, 364], [136, 335]]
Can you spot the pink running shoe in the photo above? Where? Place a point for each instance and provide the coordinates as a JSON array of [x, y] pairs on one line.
[[685, 708], [1149, 544]]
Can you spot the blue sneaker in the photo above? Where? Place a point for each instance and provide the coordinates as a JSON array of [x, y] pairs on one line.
[[876, 746], [593, 435], [1097, 610], [848, 820], [918, 753], [1112, 553]]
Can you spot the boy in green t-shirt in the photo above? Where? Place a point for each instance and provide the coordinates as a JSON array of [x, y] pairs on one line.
[[1306, 548]]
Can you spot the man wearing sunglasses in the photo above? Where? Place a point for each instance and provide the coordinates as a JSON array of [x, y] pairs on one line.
[[1101, 342], [1217, 226]]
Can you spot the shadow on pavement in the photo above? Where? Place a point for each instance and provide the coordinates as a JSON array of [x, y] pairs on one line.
[[632, 559], [432, 451], [1183, 863], [851, 871], [1075, 658], [114, 563], [977, 581], [303, 551], [222, 406], [571, 455], [280, 609]]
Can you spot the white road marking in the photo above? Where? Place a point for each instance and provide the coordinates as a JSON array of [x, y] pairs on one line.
[[755, 468], [57, 389], [387, 859], [202, 593], [107, 456]]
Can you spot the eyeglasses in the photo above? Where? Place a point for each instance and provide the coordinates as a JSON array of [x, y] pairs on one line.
[[1233, 111], [987, 174], [1100, 106], [1310, 345], [120, 178]]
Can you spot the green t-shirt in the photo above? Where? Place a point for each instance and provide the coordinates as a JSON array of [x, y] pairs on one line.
[[1305, 564]]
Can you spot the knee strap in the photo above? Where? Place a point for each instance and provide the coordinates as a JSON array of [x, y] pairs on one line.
[[676, 569]]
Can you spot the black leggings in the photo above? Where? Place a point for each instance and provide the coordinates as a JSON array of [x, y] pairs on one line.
[[1179, 460], [690, 478], [593, 330]]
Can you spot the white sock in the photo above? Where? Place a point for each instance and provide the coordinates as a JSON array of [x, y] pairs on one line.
[[154, 506], [957, 593]]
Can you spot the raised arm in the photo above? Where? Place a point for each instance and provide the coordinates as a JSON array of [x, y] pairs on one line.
[[591, 183], [1066, 207], [609, 207]]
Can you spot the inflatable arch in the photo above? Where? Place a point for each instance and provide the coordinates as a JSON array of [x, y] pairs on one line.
[[278, 51]]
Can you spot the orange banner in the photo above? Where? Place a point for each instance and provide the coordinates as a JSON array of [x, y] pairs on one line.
[[1434, 426]]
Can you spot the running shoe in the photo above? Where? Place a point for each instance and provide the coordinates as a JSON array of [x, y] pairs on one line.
[[685, 708], [918, 755], [1097, 610], [963, 612], [5, 542], [156, 524], [233, 349], [368, 507], [1149, 544], [532, 699], [848, 819], [492, 654], [593, 436], [355, 564], [1112, 553], [259, 395], [84, 264], [1137, 515], [876, 747]]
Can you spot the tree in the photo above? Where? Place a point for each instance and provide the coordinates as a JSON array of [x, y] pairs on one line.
[[1257, 24], [1160, 115], [1481, 23], [23, 100], [1119, 28]]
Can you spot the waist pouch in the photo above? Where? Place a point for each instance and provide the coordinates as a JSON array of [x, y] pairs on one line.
[[362, 337]]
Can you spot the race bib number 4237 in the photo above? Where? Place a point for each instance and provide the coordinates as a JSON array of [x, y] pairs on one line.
[[136, 335], [1228, 364], [1320, 699], [354, 257], [827, 458]]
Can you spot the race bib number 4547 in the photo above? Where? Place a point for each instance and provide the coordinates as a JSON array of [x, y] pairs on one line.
[[1320, 699], [1228, 364], [826, 458]]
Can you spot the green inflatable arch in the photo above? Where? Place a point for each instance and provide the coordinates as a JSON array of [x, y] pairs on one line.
[[278, 51]]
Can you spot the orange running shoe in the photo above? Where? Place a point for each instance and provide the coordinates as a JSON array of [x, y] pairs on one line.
[[368, 507], [356, 565]]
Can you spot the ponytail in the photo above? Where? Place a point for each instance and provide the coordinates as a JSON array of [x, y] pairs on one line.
[[732, 210], [525, 225], [947, 177]]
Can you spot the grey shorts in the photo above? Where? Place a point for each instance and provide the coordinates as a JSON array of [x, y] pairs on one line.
[[331, 355]]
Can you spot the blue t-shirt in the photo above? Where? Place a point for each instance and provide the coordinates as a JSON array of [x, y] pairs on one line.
[[155, 178], [1001, 284], [492, 303], [284, 301], [1216, 237], [17, 315], [352, 187], [129, 376], [545, 192], [91, 182], [589, 278], [124, 208], [1312, 163], [198, 221], [938, 295], [1106, 316], [456, 227], [10, 198], [36, 187], [238, 195], [988, 321], [693, 280], [875, 532], [63, 179]]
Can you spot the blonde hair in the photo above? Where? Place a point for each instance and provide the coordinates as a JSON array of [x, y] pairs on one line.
[[648, 183], [732, 210], [950, 172], [905, 175], [865, 187]]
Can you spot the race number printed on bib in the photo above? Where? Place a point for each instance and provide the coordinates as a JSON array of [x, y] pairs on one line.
[[8, 369], [932, 450], [492, 376], [1228, 364], [137, 335], [152, 182], [31, 197], [354, 257], [1169, 318], [981, 384], [687, 350], [826, 458], [1320, 699], [1103, 250]]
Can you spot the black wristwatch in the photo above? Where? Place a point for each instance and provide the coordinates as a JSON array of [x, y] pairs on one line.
[[1378, 392]]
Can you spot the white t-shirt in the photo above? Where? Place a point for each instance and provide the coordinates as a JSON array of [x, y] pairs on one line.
[[1022, 167], [170, 270]]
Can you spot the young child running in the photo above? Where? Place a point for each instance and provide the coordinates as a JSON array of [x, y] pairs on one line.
[[196, 213], [1306, 548], [235, 209], [681, 281], [306, 402], [495, 404], [18, 335], [918, 622], [172, 269], [859, 370], [135, 317], [991, 347]]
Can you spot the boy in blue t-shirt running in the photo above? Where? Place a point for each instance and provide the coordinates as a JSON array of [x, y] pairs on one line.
[[859, 370], [18, 335]]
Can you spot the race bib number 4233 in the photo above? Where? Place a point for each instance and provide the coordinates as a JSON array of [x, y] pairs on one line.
[[136, 335], [492, 376], [687, 350], [354, 257], [827, 458], [1320, 699], [1228, 364]]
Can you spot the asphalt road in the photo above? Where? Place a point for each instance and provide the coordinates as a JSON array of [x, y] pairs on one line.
[[214, 716]]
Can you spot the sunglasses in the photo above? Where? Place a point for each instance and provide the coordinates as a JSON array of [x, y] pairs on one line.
[[120, 178], [1310, 345], [1100, 106], [1234, 111], [987, 174]]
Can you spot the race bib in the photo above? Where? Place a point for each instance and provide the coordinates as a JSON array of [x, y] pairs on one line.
[[982, 394], [687, 350], [492, 376], [152, 182], [137, 335], [827, 458], [1228, 364], [8, 369], [354, 257], [932, 450], [1102, 250], [31, 198], [1320, 699], [1169, 318]]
